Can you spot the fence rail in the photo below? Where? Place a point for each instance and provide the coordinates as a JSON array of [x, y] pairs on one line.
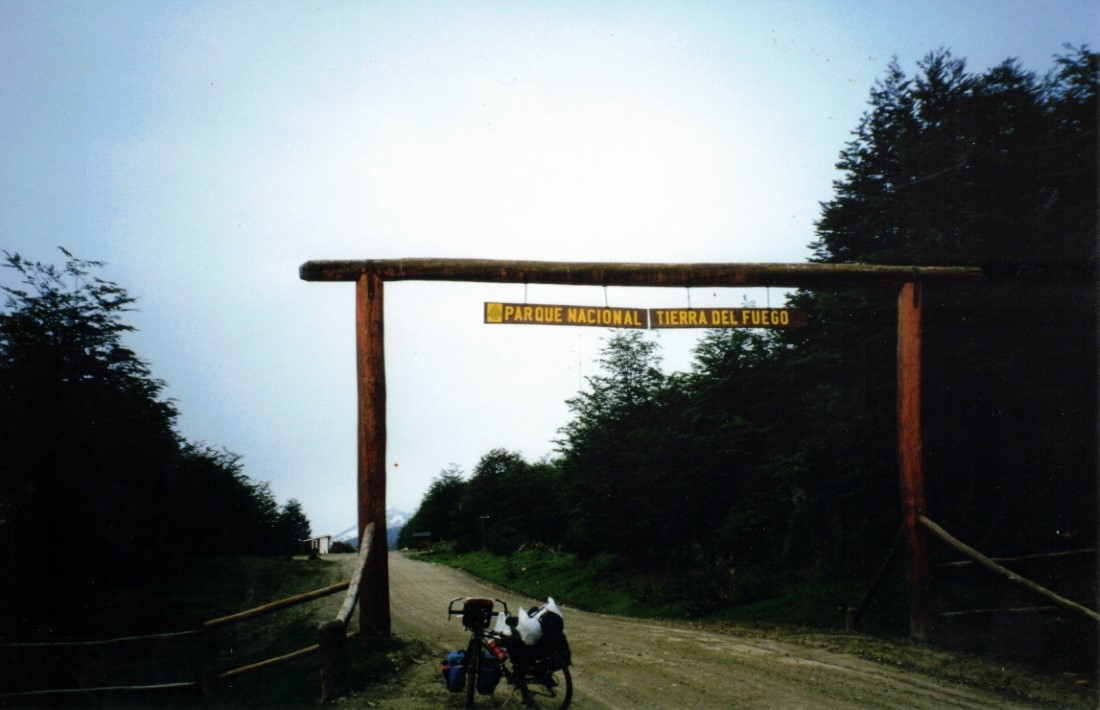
[[333, 647], [85, 643], [1023, 558], [275, 606], [99, 642], [854, 614], [211, 676], [100, 689], [1005, 573]]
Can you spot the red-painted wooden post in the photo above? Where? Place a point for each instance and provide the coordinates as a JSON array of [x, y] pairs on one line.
[[374, 594], [911, 458]]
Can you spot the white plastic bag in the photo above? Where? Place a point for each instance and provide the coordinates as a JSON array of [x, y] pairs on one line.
[[551, 607], [530, 630], [530, 627], [502, 625]]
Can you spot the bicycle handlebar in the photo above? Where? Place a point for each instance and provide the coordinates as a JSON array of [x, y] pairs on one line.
[[452, 611]]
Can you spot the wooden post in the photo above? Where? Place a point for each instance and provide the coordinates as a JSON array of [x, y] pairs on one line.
[[910, 458], [374, 594], [333, 643]]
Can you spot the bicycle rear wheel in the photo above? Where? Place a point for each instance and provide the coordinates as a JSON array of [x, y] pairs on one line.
[[549, 689]]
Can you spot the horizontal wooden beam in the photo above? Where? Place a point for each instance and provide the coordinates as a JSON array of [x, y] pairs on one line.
[[270, 661], [272, 607], [1022, 558], [988, 612], [624, 274]]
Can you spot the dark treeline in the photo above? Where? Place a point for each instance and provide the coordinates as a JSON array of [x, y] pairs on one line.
[[776, 452], [96, 485]]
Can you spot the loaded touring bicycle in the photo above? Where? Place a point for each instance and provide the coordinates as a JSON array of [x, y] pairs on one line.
[[529, 652]]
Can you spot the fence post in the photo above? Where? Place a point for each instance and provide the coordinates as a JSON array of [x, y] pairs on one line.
[[333, 640]]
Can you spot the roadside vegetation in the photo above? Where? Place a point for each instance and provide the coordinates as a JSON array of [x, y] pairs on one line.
[[296, 683], [605, 585], [97, 488], [198, 589], [762, 483]]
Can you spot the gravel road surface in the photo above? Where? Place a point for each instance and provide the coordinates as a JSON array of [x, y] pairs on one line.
[[629, 663]]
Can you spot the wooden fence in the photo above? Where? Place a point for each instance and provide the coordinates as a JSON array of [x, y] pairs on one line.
[[332, 642], [334, 658], [989, 564]]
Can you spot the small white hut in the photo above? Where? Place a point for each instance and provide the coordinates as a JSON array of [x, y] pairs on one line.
[[318, 545]]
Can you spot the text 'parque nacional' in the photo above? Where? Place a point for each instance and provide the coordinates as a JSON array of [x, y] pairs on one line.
[[607, 317], [536, 314]]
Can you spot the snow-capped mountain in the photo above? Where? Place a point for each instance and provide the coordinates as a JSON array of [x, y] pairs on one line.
[[395, 520]]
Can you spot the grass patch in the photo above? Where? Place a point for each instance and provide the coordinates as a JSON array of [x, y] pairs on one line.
[[607, 585], [822, 604], [541, 573]]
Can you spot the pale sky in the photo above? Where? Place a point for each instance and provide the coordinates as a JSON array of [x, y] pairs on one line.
[[206, 149]]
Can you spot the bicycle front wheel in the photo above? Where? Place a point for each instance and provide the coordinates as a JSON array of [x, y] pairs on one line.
[[549, 689], [473, 666]]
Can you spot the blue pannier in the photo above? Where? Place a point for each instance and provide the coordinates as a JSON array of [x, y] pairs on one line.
[[454, 671]]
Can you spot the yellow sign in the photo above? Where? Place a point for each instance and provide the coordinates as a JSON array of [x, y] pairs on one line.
[[726, 318], [540, 314]]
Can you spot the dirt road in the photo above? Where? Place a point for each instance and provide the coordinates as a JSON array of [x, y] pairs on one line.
[[626, 663]]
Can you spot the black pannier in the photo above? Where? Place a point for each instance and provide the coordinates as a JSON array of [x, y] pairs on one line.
[[552, 645]]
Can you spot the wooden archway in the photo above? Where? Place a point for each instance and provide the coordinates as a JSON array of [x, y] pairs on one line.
[[369, 277]]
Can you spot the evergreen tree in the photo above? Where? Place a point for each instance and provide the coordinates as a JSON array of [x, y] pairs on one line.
[[95, 484], [616, 482], [997, 170], [292, 527], [438, 510], [85, 437]]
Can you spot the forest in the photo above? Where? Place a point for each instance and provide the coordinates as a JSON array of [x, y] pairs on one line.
[[775, 455], [97, 488]]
